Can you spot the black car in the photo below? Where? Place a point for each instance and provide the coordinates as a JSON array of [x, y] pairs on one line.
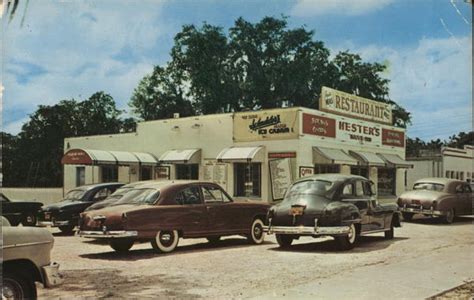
[[341, 206], [17, 212], [65, 214]]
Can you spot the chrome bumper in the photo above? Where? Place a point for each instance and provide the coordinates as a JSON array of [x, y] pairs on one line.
[[421, 210], [51, 275], [108, 234], [53, 223], [307, 230]]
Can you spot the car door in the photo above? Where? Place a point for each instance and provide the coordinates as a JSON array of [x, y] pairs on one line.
[[353, 192], [375, 212], [467, 200], [189, 213], [221, 215]]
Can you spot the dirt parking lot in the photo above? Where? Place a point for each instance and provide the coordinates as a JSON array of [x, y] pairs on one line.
[[425, 259]]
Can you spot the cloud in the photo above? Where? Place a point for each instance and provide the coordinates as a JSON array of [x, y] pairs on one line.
[[71, 49], [311, 8], [432, 80]]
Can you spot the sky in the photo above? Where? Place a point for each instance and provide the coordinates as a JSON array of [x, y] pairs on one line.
[[63, 49]]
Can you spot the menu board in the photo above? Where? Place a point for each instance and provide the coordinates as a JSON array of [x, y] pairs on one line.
[[280, 177], [215, 172]]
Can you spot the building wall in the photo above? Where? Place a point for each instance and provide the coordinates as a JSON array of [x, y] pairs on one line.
[[43, 195], [424, 168], [213, 133]]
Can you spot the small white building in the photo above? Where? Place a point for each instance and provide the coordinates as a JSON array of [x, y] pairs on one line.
[[250, 154], [449, 162]]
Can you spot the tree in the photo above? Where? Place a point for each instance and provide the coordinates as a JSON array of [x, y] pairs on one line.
[[46, 129], [461, 139], [256, 66], [159, 95]]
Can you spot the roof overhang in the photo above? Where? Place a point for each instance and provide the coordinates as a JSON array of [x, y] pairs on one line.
[[393, 160], [368, 158], [103, 157], [242, 154], [186, 156], [323, 155]]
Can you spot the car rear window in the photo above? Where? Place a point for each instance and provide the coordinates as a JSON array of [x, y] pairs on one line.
[[139, 196], [429, 186], [309, 187], [74, 195]]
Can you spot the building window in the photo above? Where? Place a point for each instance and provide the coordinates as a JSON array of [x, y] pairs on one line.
[[247, 179], [80, 176], [109, 173], [323, 169], [447, 174], [461, 175], [361, 171], [452, 175], [145, 172], [386, 181], [468, 175], [187, 171]]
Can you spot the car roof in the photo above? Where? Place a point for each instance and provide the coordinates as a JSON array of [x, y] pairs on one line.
[[331, 177], [88, 187], [439, 180], [163, 184]]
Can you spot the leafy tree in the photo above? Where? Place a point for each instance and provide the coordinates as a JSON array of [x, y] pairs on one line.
[[158, 96], [461, 139], [256, 66], [46, 129]]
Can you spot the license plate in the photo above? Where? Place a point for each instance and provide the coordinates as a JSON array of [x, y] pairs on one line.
[[47, 216], [297, 211]]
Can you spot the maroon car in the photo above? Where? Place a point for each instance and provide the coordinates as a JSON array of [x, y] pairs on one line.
[[163, 212]]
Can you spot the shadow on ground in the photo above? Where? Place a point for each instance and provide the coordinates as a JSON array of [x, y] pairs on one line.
[[365, 244], [139, 254]]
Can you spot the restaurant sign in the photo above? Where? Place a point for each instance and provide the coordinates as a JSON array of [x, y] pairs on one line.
[[274, 124], [349, 105], [355, 132]]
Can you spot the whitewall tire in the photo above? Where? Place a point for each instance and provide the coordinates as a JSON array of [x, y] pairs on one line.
[[256, 236], [165, 241]]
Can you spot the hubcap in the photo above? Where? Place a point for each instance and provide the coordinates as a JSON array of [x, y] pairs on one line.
[[166, 239], [11, 290], [257, 231]]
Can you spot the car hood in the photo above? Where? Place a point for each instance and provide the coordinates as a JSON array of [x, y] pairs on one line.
[[421, 195], [64, 205]]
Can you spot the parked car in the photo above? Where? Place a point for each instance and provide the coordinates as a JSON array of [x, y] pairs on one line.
[[437, 197], [17, 212], [115, 196], [65, 214], [26, 259], [340, 206], [162, 212]]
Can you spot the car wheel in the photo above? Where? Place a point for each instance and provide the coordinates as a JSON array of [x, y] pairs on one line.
[[29, 219], [348, 241], [284, 240], [121, 245], [213, 239], [407, 216], [448, 218], [18, 287], [67, 229], [256, 235], [165, 241], [389, 234]]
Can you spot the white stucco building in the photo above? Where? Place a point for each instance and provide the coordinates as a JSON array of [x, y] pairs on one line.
[[449, 162], [251, 154]]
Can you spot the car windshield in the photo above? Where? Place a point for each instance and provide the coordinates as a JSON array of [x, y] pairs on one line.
[[139, 196], [75, 195], [429, 186], [308, 188]]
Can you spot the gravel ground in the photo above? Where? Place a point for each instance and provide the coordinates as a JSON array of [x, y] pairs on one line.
[[424, 259]]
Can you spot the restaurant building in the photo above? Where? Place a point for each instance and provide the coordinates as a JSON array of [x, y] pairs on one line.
[[448, 162], [253, 154]]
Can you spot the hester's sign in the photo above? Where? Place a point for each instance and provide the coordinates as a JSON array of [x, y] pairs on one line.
[[355, 132], [354, 106]]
